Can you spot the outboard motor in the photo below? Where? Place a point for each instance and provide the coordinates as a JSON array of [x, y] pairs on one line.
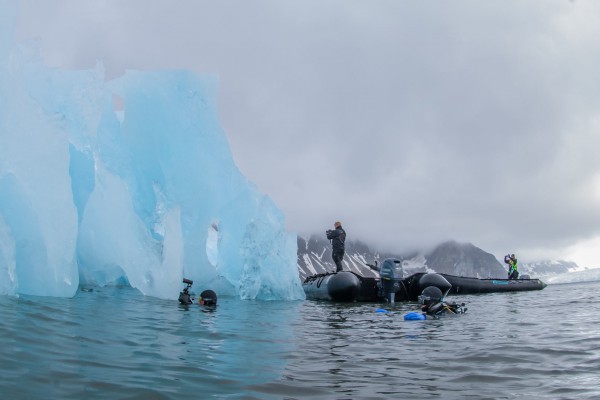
[[185, 297], [391, 273]]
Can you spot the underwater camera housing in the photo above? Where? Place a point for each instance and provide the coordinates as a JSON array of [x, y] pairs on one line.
[[184, 296]]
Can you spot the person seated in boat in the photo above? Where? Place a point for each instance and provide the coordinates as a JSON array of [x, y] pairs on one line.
[[433, 304], [511, 260]]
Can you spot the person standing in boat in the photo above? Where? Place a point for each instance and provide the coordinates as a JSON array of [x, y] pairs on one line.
[[337, 237], [511, 260]]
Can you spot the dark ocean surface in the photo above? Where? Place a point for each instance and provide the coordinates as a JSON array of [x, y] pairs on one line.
[[114, 343]]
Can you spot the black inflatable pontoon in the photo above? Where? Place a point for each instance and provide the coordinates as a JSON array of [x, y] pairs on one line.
[[348, 286]]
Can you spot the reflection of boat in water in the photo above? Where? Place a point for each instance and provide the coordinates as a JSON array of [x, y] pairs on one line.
[[392, 286]]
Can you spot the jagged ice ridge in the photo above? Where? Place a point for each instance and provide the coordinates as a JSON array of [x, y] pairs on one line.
[[144, 196]]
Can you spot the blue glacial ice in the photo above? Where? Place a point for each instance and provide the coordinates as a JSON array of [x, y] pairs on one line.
[[128, 181]]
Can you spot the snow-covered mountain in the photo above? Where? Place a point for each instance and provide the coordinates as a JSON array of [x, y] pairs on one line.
[[464, 259], [560, 271], [547, 267], [314, 257], [587, 275]]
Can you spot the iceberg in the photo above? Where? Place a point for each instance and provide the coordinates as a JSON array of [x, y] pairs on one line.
[[128, 181]]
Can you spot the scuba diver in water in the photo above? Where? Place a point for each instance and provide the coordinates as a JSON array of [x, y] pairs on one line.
[[434, 306], [338, 239], [511, 260], [207, 297]]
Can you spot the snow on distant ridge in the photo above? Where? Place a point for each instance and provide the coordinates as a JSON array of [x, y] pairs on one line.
[[588, 275], [416, 264], [559, 271], [464, 259], [548, 267]]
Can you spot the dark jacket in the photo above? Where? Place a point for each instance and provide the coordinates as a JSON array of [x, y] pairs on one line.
[[338, 238]]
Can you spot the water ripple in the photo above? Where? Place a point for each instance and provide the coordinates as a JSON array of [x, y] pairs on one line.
[[114, 343]]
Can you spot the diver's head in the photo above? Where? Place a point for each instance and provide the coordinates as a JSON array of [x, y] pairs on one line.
[[207, 298], [337, 224], [430, 296]]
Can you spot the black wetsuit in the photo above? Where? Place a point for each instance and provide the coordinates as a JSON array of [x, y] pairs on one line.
[[442, 307], [338, 239]]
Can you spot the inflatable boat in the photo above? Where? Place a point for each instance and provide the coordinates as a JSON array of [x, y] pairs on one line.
[[391, 286]]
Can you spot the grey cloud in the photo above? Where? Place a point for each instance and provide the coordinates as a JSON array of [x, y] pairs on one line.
[[413, 122]]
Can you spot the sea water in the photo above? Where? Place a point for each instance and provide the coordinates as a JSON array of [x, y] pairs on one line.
[[114, 343]]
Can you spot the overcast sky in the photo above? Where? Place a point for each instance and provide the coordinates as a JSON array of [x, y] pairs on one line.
[[412, 122]]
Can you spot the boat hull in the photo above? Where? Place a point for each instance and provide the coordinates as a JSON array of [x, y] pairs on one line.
[[347, 286], [465, 285], [340, 286]]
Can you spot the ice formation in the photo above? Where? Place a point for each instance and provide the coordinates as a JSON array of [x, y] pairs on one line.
[[145, 196]]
